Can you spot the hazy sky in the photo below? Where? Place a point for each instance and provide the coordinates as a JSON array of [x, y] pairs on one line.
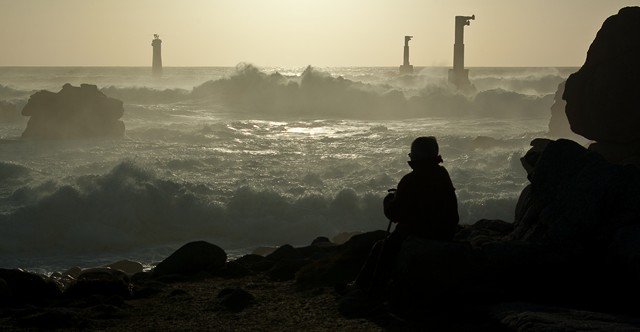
[[298, 32]]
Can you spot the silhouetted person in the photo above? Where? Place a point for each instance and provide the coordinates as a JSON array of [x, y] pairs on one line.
[[424, 205]]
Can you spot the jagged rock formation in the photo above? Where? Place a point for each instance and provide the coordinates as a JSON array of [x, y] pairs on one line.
[[577, 200], [602, 97], [74, 112], [584, 209]]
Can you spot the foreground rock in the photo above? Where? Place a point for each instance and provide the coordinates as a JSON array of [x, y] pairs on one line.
[[73, 112], [469, 284], [193, 258], [102, 282], [602, 97], [18, 287], [582, 213], [579, 201], [526, 317]]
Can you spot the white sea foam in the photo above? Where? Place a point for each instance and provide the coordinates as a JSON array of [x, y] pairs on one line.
[[257, 157]]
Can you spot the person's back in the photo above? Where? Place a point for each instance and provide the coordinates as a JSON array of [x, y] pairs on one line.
[[424, 203]]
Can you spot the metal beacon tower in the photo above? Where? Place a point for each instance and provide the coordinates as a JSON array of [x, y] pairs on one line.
[[406, 68], [459, 76], [156, 68]]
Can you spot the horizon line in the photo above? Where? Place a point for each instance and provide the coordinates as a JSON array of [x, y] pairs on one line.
[[277, 66]]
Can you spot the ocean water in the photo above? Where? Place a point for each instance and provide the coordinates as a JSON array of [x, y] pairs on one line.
[[249, 156]]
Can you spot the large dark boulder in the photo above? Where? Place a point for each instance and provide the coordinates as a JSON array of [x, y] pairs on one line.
[[527, 317], [341, 264], [602, 97], [100, 281], [580, 222], [287, 260], [577, 198], [21, 287], [73, 112], [193, 258]]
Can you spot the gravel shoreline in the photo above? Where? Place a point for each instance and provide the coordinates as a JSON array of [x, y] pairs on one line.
[[193, 306]]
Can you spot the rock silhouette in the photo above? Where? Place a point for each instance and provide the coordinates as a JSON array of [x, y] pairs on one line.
[[73, 112], [602, 97], [192, 258]]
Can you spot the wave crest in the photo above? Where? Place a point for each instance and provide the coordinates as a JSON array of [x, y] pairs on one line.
[[131, 207]]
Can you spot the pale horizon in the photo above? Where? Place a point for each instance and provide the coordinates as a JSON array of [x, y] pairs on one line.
[[288, 33]]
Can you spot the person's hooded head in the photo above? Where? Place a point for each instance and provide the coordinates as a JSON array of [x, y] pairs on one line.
[[424, 150]]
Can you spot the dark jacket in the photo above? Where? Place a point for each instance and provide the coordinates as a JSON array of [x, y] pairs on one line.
[[425, 203]]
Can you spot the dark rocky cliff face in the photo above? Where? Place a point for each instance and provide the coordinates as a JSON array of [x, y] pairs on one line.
[[603, 102]]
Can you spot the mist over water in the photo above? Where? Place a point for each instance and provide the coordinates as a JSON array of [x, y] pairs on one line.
[[248, 156]]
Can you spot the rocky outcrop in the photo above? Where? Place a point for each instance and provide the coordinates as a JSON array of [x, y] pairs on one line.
[[193, 258], [577, 199], [100, 282], [581, 212], [73, 112], [602, 97], [338, 265], [575, 241], [526, 317], [19, 287]]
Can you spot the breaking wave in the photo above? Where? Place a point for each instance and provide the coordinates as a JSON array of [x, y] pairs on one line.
[[130, 207], [315, 93]]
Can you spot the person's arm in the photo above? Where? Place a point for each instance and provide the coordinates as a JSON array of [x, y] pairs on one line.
[[393, 202]]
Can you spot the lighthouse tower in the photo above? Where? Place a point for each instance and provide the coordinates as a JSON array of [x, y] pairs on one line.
[[459, 76], [156, 68], [406, 68]]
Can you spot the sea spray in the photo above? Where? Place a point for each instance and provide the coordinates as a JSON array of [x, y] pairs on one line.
[[254, 157]]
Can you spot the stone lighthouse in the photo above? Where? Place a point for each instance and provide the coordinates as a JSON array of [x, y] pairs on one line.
[[156, 68], [459, 76], [406, 68]]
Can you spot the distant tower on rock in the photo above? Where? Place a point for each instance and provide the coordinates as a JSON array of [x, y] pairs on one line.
[[459, 76], [406, 68], [156, 68]]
